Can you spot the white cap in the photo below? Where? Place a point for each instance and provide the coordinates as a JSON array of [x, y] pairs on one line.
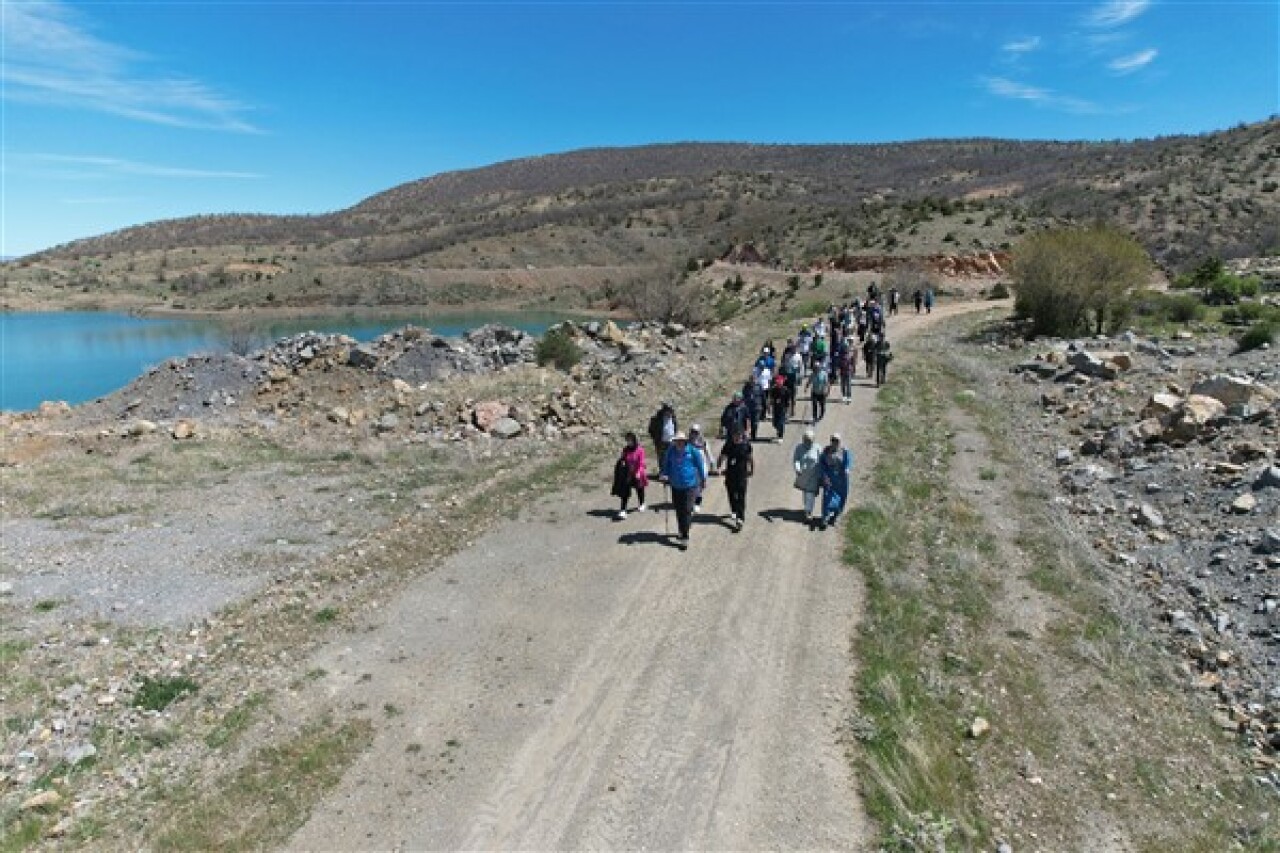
[[680, 436], [695, 428], [809, 434]]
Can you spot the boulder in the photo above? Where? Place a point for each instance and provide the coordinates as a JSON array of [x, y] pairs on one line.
[[1232, 391], [184, 429], [506, 428], [1148, 516], [1244, 504], [387, 423], [488, 413], [139, 428], [1193, 418], [362, 357], [1161, 404], [612, 333]]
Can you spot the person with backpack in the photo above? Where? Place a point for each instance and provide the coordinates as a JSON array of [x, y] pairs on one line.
[[819, 387], [868, 354], [804, 460], [833, 472], [883, 356], [662, 429], [684, 469], [735, 416], [737, 465], [629, 475], [928, 300], [780, 405]]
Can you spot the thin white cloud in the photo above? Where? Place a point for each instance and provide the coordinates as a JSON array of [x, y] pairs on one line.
[[1115, 13], [51, 57], [1134, 62], [1012, 89], [1022, 46], [116, 166]]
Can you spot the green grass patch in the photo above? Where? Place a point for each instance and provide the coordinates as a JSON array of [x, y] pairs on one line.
[[156, 694], [264, 802], [325, 615], [235, 722], [20, 833]]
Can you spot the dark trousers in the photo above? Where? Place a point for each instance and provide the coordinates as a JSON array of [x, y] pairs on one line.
[[737, 495], [780, 419], [683, 500], [792, 382], [754, 419], [846, 383], [882, 368], [639, 490], [819, 406]]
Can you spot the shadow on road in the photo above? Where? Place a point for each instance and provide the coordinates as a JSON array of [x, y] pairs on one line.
[[647, 537], [772, 515]]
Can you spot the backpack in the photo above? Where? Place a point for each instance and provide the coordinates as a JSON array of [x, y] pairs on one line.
[[821, 382]]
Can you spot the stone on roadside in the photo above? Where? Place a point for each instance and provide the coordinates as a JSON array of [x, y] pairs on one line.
[[6, 588], [53, 408], [79, 753], [979, 727], [487, 413], [362, 357], [139, 428], [1161, 404], [183, 430], [42, 800], [389, 422], [1194, 418], [1244, 504], [506, 428], [1063, 456], [1148, 516]]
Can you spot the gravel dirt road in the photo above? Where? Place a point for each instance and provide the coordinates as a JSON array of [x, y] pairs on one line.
[[575, 682]]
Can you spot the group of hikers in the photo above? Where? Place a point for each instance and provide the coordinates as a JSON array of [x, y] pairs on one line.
[[827, 348]]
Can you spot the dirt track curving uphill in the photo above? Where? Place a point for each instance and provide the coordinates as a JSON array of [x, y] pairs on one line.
[[574, 682]]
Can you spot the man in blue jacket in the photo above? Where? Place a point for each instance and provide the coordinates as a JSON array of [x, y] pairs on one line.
[[684, 467]]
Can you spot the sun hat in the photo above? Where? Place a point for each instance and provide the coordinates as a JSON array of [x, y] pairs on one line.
[[809, 434], [695, 428], [680, 436]]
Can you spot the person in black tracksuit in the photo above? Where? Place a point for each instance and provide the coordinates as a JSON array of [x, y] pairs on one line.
[[737, 465]]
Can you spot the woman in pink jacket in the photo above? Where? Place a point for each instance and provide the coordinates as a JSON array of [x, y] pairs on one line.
[[629, 473]]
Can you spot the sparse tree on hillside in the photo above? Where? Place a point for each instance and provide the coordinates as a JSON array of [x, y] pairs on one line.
[[1073, 279]]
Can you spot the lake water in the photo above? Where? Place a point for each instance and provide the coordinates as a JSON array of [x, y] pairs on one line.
[[79, 356]]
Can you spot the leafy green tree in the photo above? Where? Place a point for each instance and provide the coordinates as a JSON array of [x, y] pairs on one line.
[[1069, 280]]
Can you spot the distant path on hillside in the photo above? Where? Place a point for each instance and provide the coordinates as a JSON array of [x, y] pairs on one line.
[[570, 682]]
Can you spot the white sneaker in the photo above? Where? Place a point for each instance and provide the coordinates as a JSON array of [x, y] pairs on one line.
[[622, 513], [641, 508]]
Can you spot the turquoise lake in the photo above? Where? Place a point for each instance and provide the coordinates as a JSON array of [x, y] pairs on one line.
[[80, 356]]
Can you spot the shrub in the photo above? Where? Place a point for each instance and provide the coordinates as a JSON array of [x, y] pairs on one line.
[[156, 694], [558, 348], [999, 291], [1258, 335], [1068, 280], [1181, 308]]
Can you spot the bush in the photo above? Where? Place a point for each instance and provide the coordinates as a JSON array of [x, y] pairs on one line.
[[999, 291], [1181, 308], [1258, 335], [156, 694], [1069, 280], [558, 348]]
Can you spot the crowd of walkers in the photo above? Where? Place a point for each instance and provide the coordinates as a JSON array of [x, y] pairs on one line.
[[821, 357]]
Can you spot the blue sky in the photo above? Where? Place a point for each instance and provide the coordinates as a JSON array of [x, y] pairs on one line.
[[118, 113]]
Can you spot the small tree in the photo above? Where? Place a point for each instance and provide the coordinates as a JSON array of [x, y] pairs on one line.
[[558, 348], [1068, 280]]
